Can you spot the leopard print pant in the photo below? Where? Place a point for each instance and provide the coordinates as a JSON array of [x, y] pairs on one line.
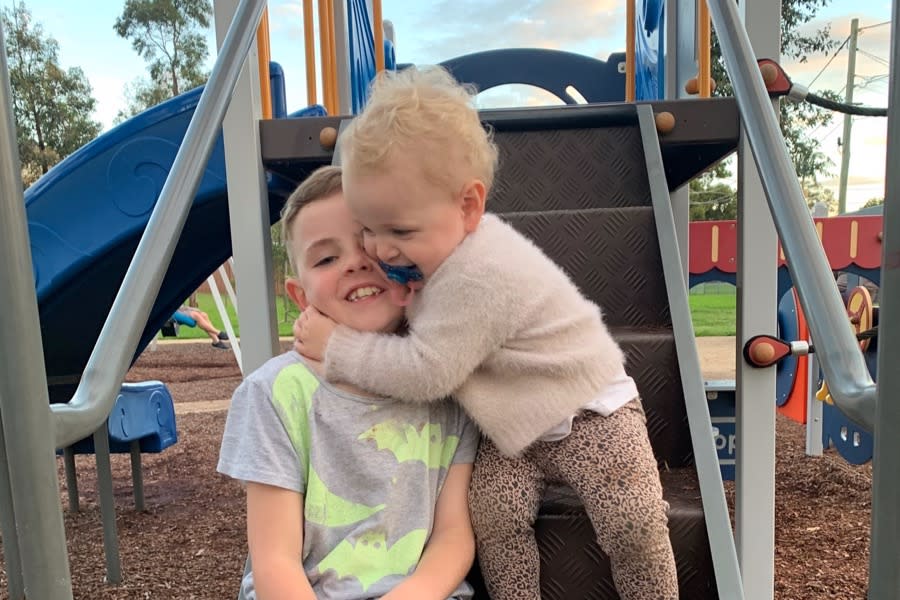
[[610, 465]]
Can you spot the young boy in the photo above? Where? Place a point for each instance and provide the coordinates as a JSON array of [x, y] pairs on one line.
[[501, 327], [349, 497]]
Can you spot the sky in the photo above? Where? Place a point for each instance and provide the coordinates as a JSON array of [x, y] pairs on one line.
[[432, 31]]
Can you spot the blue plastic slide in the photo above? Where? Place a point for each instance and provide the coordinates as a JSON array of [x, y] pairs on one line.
[[86, 216]]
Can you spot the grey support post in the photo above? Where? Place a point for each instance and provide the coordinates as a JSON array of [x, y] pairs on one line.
[[757, 285], [884, 574], [680, 65], [107, 504], [11, 558], [248, 207], [24, 402]]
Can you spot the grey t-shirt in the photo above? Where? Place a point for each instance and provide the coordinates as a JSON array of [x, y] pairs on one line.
[[370, 470]]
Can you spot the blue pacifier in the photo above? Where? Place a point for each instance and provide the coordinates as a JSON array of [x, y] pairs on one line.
[[401, 274]]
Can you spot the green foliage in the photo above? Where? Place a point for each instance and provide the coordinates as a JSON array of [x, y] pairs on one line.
[[281, 268], [140, 95], [52, 106], [711, 199], [167, 34], [797, 119], [814, 192], [873, 202]]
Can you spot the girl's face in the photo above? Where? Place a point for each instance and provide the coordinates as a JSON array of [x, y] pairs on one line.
[[408, 220]]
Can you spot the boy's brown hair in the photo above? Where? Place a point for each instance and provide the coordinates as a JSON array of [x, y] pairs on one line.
[[321, 183]]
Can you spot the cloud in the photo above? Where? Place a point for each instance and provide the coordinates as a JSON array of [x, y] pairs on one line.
[[287, 18], [471, 25], [516, 95]]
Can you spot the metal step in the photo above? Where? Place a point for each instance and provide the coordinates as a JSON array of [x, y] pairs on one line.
[[613, 256], [574, 566]]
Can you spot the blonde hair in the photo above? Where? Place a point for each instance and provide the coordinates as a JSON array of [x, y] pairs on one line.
[[321, 183], [422, 113]]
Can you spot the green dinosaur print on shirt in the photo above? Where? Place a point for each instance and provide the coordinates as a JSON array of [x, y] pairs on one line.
[[292, 394], [369, 559], [407, 443], [322, 507]]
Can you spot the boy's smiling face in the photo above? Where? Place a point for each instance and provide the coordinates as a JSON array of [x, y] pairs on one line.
[[334, 273]]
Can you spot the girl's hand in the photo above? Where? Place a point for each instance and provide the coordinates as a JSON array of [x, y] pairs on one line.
[[311, 332]]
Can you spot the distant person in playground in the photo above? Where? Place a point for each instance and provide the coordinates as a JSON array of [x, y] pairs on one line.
[[495, 323], [349, 496], [202, 320]]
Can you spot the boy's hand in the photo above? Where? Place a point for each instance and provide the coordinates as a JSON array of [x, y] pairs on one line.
[[311, 332]]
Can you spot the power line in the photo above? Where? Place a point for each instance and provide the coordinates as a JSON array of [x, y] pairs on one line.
[[874, 57], [874, 26], [833, 56]]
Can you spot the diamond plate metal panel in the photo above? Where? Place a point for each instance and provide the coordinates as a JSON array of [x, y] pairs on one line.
[[574, 567], [612, 256], [570, 169], [652, 362]]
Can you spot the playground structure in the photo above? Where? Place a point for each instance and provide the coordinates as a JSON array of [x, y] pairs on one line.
[[852, 244], [657, 164]]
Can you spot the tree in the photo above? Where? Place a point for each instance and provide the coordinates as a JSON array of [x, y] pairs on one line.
[[815, 192], [711, 199], [167, 34], [140, 95], [873, 202], [52, 106], [797, 119]]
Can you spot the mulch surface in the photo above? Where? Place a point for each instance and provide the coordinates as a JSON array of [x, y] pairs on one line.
[[190, 542]]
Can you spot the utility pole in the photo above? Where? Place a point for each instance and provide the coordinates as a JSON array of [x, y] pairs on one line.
[[848, 119]]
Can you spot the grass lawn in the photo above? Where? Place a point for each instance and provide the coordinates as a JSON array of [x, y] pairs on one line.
[[208, 305], [713, 314]]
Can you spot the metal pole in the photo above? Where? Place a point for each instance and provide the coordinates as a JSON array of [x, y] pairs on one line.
[[884, 576], [848, 377], [137, 476], [115, 347], [757, 302], [107, 504], [71, 478], [11, 558], [248, 210], [848, 119], [24, 402]]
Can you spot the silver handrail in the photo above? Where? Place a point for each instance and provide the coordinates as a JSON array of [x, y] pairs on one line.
[[837, 350], [121, 333]]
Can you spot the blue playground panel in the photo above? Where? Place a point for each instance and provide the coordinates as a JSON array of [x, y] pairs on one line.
[[720, 397], [85, 219], [851, 441], [362, 52], [650, 51], [550, 70], [788, 329], [143, 412]]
